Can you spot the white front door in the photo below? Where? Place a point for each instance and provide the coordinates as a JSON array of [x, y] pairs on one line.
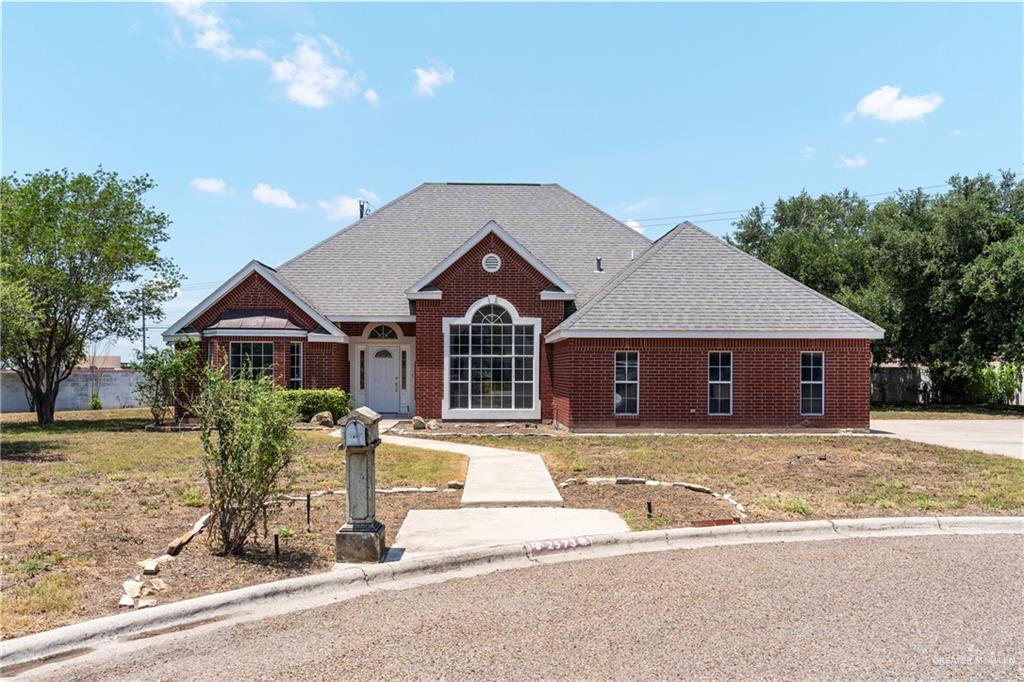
[[382, 381]]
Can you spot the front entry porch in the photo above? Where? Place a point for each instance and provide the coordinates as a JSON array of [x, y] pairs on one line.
[[383, 375]]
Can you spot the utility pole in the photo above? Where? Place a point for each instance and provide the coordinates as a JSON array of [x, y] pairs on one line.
[[143, 328]]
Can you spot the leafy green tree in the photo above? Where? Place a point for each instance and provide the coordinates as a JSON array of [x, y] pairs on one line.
[[164, 376], [80, 245]]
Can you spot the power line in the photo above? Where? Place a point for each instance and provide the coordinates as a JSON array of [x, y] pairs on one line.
[[737, 213]]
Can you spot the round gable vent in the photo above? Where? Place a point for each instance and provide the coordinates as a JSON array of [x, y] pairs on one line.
[[491, 262]]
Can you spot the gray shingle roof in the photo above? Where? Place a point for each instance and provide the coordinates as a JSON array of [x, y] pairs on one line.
[[365, 269], [691, 281]]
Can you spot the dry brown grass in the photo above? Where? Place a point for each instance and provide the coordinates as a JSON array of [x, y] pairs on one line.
[[780, 477], [85, 499]]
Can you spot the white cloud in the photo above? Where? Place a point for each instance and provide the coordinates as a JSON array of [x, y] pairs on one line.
[[881, 140], [887, 104], [955, 132], [809, 151], [273, 196], [371, 96], [345, 207], [856, 162], [210, 34], [635, 225], [429, 79], [310, 78], [210, 185]]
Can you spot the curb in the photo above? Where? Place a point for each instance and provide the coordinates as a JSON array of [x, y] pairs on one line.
[[351, 580]]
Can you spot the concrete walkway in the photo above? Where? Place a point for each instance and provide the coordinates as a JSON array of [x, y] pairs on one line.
[[496, 477], [994, 436], [429, 531]]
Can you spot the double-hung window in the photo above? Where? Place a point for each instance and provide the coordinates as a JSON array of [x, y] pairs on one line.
[[720, 383], [627, 382], [812, 383], [251, 360], [295, 366]]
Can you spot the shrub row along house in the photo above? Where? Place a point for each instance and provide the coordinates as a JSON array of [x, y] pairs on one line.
[[524, 302]]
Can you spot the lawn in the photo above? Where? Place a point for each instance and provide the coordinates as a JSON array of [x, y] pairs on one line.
[[85, 499], [778, 477], [947, 411]]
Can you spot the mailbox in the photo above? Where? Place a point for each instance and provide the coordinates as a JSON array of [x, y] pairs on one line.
[[361, 429], [355, 434], [361, 538]]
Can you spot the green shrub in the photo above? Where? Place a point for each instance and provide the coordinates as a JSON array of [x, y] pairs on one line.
[[308, 402], [94, 402], [164, 374], [986, 384], [248, 442]]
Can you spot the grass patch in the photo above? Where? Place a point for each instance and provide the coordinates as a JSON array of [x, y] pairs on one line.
[[190, 497]]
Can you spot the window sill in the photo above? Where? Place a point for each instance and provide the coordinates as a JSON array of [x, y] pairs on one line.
[[480, 414]]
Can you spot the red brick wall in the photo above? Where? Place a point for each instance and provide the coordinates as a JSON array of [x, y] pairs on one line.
[[324, 365], [462, 285], [673, 382], [253, 292]]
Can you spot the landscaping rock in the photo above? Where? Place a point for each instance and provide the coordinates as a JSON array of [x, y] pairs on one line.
[[151, 567], [600, 480], [204, 520], [630, 480], [419, 423], [434, 425], [148, 591], [164, 559], [693, 486], [126, 601], [146, 602], [456, 485], [132, 588], [322, 419], [567, 482], [158, 584]]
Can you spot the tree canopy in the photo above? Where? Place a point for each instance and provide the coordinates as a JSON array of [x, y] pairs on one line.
[[75, 252], [942, 273]]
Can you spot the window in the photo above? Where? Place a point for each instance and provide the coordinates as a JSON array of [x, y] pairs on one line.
[[295, 366], [405, 362], [362, 370], [491, 362], [383, 355], [382, 331], [627, 382], [251, 360], [720, 383], [812, 383]]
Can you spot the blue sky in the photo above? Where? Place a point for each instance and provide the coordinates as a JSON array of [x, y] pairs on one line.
[[264, 123]]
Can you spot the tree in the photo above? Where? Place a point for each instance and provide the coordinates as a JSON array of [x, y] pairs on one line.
[[164, 375], [246, 427], [79, 245]]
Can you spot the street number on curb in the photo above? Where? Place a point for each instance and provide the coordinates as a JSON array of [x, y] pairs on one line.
[[543, 547]]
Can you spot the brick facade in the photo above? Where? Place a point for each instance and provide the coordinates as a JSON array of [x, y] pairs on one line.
[[673, 383], [462, 285], [324, 365]]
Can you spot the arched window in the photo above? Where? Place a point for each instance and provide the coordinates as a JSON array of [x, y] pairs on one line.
[[382, 331], [491, 361]]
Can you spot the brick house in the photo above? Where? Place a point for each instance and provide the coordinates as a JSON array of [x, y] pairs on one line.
[[524, 302]]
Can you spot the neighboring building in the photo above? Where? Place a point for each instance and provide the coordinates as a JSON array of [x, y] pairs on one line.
[[524, 302]]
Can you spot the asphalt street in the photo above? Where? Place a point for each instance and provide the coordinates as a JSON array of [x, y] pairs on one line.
[[921, 608]]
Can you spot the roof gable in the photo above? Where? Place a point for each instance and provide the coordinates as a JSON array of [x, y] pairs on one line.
[[397, 245], [490, 228], [253, 267], [692, 284]]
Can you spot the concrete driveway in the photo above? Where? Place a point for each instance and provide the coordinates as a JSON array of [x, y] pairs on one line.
[[995, 436]]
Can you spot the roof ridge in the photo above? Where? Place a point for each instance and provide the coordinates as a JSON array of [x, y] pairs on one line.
[[621, 276], [351, 225], [601, 211], [781, 274]]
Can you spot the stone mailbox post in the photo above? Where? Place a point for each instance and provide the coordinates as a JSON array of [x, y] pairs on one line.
[[362, 536]]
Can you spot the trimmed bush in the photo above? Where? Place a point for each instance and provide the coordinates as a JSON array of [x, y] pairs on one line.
[[308, 402]]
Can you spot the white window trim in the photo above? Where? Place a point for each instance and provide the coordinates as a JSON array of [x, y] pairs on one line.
[[637, 382], [732, 372], [302, 363], [231, 354], [373, 325], [491, 413], [802, 382]]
